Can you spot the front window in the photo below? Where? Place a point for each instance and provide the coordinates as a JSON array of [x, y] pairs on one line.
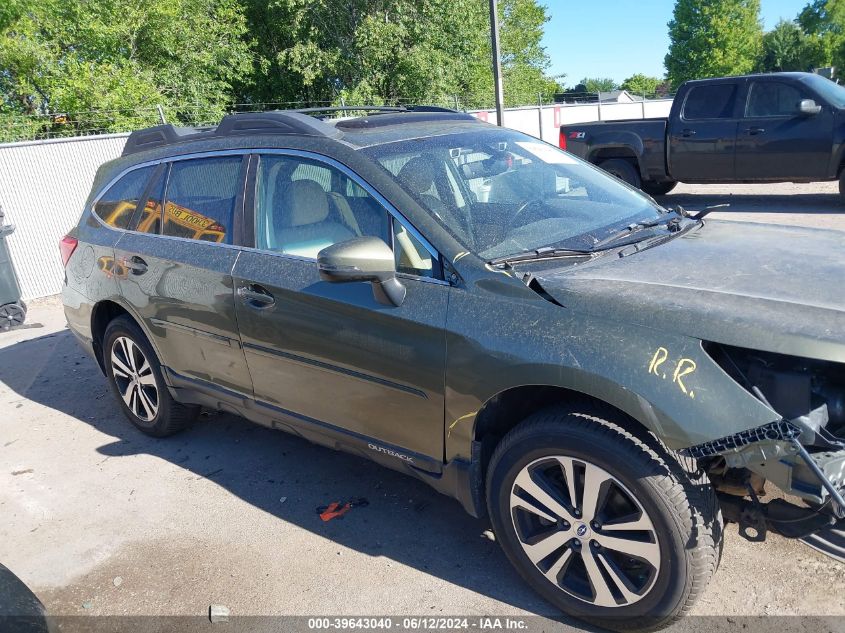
[[502, 193], [304, 205], [772, 99]]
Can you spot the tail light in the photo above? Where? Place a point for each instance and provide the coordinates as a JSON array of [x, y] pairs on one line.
[[562, 141], [66, 247]]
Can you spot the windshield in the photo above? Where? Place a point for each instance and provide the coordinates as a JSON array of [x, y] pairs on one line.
[[828, 90], [502, 193]]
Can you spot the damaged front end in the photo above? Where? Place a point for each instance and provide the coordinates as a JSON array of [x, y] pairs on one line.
[[803, 454]]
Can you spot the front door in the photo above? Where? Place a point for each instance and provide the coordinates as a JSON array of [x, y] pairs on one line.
[[176, 269], [702, 139], [775, 141], [328, 353]]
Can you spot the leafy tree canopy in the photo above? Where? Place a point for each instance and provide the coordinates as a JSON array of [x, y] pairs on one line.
[[823, 24], [640, 84], [58, 56], [712, 38], [787, 47], [598, 84], [198, 58], [375, 51]]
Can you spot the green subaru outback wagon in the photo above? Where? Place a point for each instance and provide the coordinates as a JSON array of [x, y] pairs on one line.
[[607, 379]]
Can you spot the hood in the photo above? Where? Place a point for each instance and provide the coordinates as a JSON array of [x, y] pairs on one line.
[[759, 286]]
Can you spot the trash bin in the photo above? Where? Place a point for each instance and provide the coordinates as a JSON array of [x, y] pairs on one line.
[[12, 309]]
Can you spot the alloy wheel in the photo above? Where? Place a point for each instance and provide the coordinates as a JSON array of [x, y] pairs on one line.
[[585, 531], [134, 378]]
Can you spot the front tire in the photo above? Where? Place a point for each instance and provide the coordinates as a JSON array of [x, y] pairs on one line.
[[624, 170], [136, 380], [608, 527], [654, 188]]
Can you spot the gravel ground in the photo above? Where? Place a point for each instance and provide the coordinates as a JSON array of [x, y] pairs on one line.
[[101, 520]]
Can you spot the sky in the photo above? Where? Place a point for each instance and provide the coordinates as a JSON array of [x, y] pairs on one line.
[[617, 38]]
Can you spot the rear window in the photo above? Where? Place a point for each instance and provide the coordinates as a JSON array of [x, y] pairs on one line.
[[201, 197], [116, 206], [713, 101]]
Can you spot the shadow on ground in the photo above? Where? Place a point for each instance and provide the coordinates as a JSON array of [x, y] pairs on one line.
[[405, 521], [809, 203]]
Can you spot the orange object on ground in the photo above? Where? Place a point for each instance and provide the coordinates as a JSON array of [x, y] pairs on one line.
[[334, 510]]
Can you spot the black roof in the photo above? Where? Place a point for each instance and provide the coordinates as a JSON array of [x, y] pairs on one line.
[[305, 122], [787, 74]]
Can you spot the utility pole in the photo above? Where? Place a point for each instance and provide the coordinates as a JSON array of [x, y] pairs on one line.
[[497, 65]]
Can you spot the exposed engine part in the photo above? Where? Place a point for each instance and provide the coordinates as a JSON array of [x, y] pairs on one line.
[[735, 481], [797, 388], [778, 516]]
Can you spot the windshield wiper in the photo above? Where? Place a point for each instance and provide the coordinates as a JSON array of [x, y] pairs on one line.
[[543, 252], [671, 219], [708, 209]]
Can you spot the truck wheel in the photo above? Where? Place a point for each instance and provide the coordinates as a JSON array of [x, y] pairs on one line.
[[653, 188], [608, 527], [135, 377], [623, 170]]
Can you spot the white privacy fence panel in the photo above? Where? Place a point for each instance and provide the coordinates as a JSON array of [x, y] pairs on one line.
[[43, 187], [527, 119], [44, 184]]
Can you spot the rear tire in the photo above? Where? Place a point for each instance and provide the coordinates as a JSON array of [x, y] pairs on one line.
[[653, 188], [623, 169], [135, 377], [842, 185], [636, 579]]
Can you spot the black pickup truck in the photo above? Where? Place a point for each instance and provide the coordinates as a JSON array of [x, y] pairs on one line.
[[781, 127]]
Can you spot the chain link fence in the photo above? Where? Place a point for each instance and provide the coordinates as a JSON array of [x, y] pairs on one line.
[[29, 127]]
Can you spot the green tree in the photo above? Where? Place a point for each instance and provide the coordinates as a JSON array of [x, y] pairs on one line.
[[598, 84], [787, 47], [640, 84], [711, 38], [374, 51], [823, 23], [117, 55]]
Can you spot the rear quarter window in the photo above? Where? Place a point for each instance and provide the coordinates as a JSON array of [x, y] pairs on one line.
[[200, 200], [117, 205]]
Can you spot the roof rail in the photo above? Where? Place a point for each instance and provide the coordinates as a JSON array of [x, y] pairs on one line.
[[274, 122], [304, 122], [159, 135], [374, 109]]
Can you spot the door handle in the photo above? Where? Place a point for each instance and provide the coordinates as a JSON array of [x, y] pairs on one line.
[[753, 131], [255, 296], [687, 133], [137, 265]]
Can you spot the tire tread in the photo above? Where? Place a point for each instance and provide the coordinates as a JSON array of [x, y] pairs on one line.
[[685, 487]]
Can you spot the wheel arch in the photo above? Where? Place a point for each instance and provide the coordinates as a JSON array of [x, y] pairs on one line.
[[629, 148], [103, 313], [506, 409]]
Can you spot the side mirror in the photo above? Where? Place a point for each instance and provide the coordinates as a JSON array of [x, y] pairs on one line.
[[363, 259], [808, 107]]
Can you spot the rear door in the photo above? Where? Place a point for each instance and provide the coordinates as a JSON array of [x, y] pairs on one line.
[[328, 354], [702, 139], [775, 141], [175, 267]]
